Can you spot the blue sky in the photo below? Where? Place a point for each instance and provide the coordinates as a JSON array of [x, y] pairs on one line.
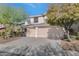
[[32, 8]]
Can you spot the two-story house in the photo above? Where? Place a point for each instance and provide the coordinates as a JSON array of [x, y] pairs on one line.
[[38, 27]]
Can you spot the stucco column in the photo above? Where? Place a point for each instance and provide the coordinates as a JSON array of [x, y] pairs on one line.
[[36, 32]]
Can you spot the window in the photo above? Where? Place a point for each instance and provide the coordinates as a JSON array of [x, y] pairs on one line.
[[35, 19]]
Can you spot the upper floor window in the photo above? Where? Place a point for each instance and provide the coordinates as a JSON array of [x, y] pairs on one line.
[[35, 19]]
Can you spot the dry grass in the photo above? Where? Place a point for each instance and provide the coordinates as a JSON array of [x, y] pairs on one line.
[[73, 45]]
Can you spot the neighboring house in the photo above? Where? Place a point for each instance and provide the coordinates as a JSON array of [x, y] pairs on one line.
[[37, 27]]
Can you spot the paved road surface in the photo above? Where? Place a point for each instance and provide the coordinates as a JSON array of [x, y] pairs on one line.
[[37, 47], [22, 41]]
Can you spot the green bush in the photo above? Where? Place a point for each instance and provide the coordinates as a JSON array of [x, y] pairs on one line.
[[77, 37], [11, 31]]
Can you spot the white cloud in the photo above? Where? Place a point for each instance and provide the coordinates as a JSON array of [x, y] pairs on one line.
[[32, 5]]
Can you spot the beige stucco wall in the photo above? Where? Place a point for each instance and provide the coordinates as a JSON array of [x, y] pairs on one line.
[[30, 32], [40, 20], [45, 32], [41, 32]]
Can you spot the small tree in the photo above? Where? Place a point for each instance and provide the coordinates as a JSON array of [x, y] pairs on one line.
[[10, 16], [64, 15]]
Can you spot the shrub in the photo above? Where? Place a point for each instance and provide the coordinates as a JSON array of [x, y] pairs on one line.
[[77, 37]]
